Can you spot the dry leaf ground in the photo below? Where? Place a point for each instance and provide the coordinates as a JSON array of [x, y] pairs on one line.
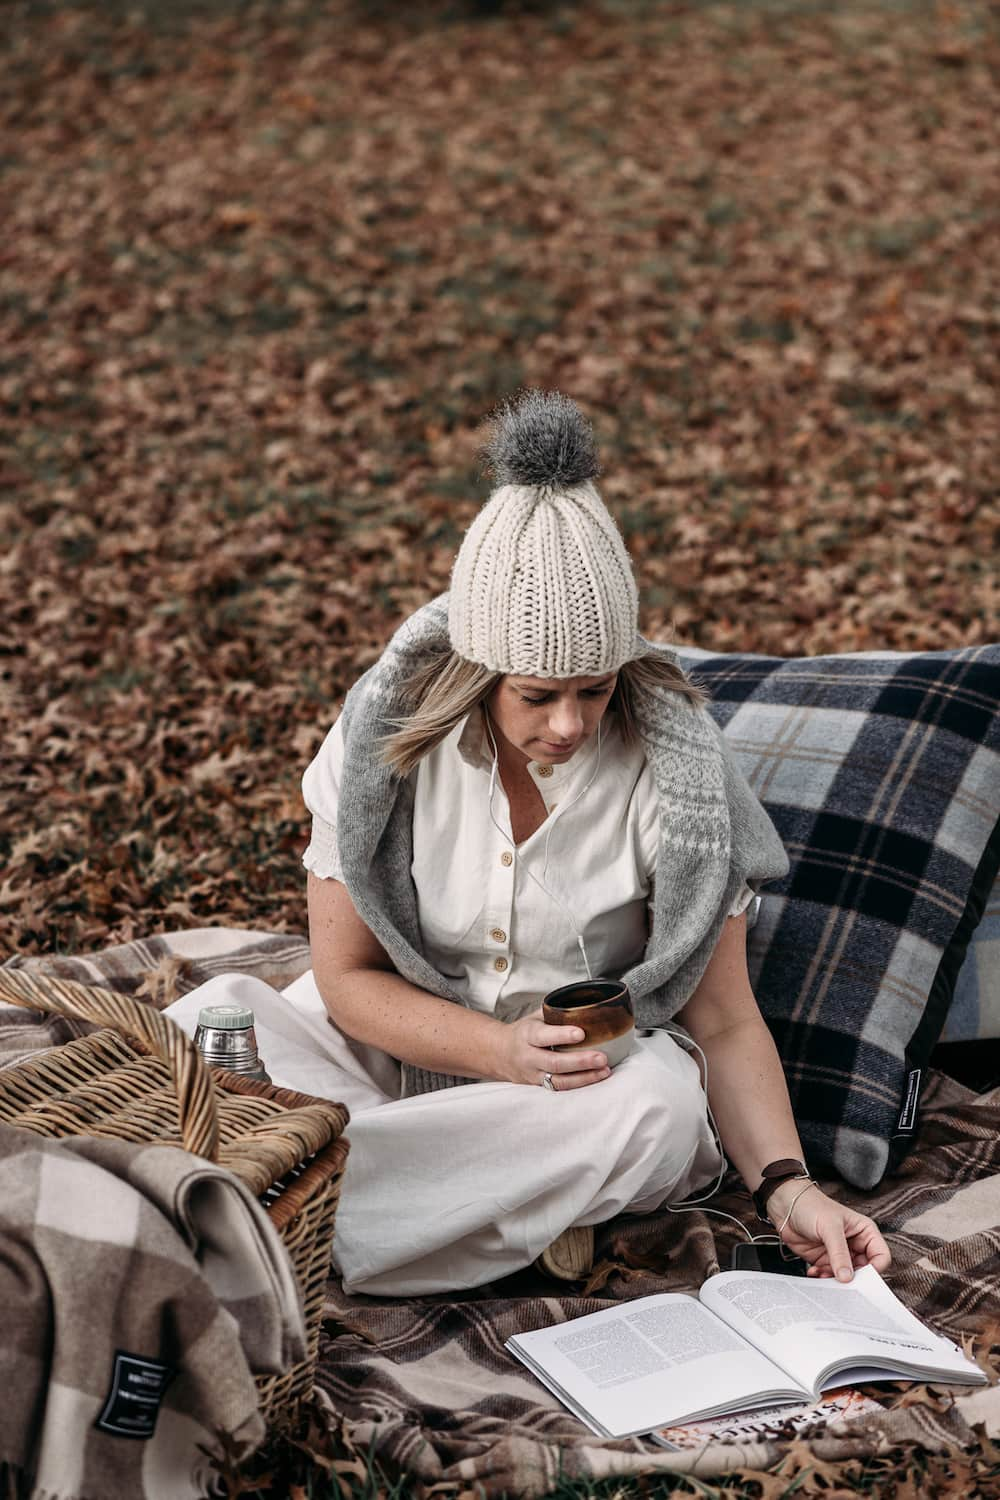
[[266, 267]]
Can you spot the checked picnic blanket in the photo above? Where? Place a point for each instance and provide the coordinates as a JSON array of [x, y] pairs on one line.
[[427, 1383], [131, 1276]]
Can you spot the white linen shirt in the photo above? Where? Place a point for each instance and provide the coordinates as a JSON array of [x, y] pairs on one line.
[[503, 922]]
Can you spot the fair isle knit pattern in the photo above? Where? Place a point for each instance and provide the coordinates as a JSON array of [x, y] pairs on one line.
[[542, 585], [714, 834]]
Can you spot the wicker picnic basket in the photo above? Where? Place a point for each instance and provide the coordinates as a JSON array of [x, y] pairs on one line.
[[145, 1081]]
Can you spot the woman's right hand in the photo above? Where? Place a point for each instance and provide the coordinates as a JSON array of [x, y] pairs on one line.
[[523, 1055]]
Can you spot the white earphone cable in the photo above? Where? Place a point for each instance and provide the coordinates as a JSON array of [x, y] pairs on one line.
[[521, 864], [693, 1205]]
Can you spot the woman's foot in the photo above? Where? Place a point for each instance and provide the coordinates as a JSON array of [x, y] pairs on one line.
[[570, 1255]]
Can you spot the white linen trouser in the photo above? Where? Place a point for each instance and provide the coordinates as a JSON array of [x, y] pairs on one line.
[[455, 1188]]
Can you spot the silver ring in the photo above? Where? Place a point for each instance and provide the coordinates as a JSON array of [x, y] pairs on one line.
[[547, 1082]]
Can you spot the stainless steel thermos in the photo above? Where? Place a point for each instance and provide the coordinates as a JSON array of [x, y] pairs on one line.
[[226, 1039]]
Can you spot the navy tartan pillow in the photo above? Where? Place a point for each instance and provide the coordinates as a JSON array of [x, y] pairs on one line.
[[975, 1009], [881, 772]]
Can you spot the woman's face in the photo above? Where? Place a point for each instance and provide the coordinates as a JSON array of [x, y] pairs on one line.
[[547, 719]]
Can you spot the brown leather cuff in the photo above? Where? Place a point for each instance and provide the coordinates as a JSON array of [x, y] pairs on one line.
[[773, 1175]]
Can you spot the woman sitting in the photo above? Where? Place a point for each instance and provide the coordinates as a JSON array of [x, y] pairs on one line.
[[522, 792]]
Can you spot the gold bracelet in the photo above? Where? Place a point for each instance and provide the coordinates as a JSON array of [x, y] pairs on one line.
[[795, 1200], [801, 1177]]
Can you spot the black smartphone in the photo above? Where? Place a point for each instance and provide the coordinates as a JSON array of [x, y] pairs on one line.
[[747, 1257]]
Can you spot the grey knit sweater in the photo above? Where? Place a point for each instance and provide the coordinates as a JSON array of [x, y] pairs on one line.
[[714, 834]]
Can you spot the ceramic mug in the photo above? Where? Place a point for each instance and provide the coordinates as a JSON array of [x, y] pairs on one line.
[[603, 1008]]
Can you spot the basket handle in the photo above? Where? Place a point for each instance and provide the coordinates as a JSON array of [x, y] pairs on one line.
[[196, 1107]]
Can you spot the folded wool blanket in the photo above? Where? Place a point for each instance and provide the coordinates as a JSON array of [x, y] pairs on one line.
[[426, 1384], [140, 1287]]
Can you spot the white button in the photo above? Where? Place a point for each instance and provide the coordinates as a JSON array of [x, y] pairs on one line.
[[545, 770], [506, 858], [498, 935], [499, 964]]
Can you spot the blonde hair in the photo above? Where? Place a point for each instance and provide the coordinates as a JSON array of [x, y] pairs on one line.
[[442, 690], [446, 687]]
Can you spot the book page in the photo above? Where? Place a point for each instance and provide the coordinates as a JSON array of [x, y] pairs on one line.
[[647, 1363], [805, 1325]]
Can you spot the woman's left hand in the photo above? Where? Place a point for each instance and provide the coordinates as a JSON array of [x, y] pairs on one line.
[[834, 1239]]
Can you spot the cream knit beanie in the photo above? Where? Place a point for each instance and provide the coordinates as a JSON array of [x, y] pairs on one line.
[[542, 584]]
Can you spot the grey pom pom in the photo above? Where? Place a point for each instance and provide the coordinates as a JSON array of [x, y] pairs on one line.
[[542, 437]]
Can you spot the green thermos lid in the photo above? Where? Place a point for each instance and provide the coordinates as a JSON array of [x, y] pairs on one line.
[[226, 1017]]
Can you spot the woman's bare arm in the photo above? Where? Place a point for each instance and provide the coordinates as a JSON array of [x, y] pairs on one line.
[[746, 1082], [370, 1002], [749, 1099]]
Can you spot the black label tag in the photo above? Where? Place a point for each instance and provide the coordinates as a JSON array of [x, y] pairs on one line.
[[908, 1114], [133, 1402]]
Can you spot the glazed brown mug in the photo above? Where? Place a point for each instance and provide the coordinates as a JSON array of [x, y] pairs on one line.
[[602, 1007]]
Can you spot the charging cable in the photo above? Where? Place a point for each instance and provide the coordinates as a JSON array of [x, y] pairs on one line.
[[694, 1205]]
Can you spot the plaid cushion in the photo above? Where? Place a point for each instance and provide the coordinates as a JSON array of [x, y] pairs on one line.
[[975, 1008], [881, 772]]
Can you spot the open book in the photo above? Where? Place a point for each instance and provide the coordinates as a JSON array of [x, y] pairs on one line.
[[749, 1339]]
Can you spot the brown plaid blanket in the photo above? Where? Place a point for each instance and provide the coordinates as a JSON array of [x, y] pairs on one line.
[[140, 1288], [428, 1384]]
